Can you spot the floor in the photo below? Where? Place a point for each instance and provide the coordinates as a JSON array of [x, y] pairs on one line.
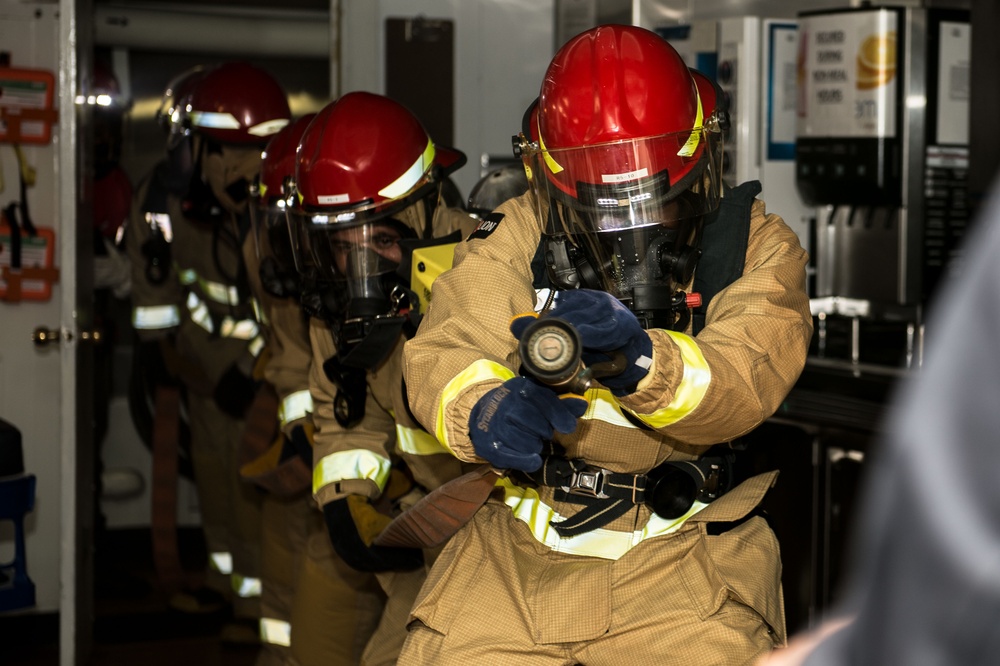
[[132, 623]]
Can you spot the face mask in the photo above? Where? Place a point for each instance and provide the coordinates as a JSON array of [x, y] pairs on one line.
[[644, 267]]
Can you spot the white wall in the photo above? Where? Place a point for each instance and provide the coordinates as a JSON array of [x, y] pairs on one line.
[[502, 48], [30, 378]]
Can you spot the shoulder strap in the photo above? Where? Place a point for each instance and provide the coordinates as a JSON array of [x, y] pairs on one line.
[[724, 246]]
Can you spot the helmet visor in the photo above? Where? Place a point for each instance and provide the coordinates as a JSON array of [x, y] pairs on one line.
[[660, 180], [355, 256]]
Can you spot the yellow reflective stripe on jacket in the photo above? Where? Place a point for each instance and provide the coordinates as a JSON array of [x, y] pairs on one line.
[[606, 544], [418, 442], [604, 407], [275, 632], [216, 291], [295, 406], [162, 222], [241, 329], [152, 317], [246, 587], [355, 464], [256, 345], [692, 388], [222, 562], [199, 312], [479, 371]]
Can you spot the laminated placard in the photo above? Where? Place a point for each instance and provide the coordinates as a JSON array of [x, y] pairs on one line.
[[32, 277], [26, 100]]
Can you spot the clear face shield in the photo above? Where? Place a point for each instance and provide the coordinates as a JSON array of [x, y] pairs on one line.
[[613, 225], [355, 264], [272, 243]]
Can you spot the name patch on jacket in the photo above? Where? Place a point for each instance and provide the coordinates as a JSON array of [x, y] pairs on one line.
[[487, 226]]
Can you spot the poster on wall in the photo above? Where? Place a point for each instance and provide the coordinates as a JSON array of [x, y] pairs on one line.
[[848, 71]]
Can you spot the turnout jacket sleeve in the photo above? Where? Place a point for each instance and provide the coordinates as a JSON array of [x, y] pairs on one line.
[[290, 363], [287, 334], [346, 461], [735, 374], [464, 347], [699, 391], [155, 307]]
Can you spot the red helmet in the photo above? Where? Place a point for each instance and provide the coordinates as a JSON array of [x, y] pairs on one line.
[[238, 103], [172, 114], [267, 212], [105, 92], [622, 127], [278, 163], [366, 156]]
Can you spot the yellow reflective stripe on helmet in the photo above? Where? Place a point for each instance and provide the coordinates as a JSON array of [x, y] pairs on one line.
[[246, 587], [295, 406], [606, 544], [691, 145], [214, 119], [354, 464], [222, 562], [692, 388], [550, 161], [480, 371], [153, 317], [411, 176], [417, 441], [275, 632]]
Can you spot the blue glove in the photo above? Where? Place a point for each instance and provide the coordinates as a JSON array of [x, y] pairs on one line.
[[604, 325], [510, 424]]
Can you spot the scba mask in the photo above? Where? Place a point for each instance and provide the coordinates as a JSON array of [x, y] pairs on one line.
[[369, 302], [622, 229]]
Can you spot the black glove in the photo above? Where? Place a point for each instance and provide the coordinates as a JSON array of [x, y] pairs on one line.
[[353, 523], [234, 392], [300, 443], [509, 425]]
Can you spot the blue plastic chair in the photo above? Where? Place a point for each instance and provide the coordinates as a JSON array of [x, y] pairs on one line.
[[17, 499]]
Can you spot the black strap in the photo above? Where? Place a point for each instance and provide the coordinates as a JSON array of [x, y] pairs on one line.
[[725, 237], [615, 494]]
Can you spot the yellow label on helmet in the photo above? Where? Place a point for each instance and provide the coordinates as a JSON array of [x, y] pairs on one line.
[[550, 162], [691, 145]]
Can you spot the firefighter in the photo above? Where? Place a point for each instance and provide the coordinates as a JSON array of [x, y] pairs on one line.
[[599, 546], [315, 609], [366, 202], [190, 293]]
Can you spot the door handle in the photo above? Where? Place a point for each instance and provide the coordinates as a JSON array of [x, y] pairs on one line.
[[43, 336]]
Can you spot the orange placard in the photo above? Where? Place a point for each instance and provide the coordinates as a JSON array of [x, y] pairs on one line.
[[26, 98], [33, 280]]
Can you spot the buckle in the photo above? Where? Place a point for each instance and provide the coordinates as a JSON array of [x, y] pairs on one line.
[[588, 481]]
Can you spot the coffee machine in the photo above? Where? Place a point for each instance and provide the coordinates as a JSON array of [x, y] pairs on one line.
[[882, 153]]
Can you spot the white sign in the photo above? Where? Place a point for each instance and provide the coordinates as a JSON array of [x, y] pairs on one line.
[[848, 70]]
